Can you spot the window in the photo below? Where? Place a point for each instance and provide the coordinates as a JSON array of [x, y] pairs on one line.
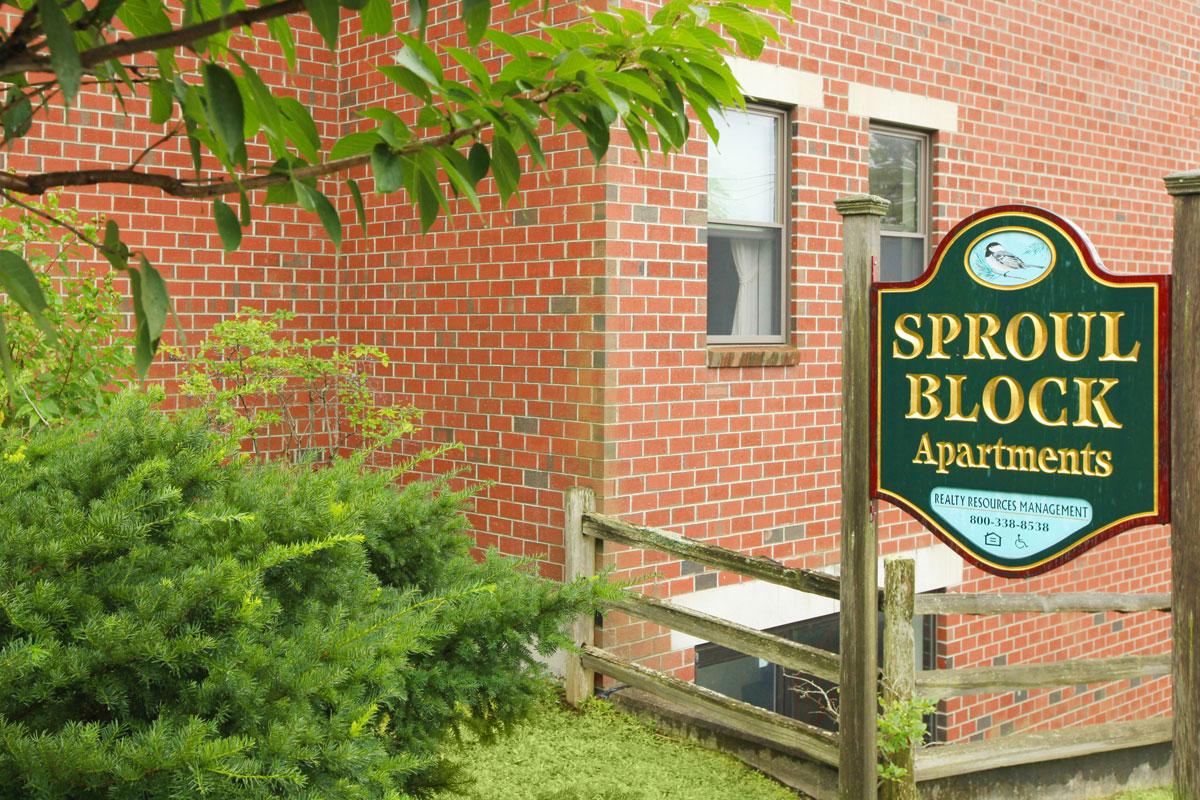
[[900, 172], [770, 686], [747, 187]]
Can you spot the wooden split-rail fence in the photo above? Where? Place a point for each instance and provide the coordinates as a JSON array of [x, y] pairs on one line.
[[586, 530]]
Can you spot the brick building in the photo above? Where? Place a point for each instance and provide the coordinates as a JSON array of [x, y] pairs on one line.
[[667, 331]]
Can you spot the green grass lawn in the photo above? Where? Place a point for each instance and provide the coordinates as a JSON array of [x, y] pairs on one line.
[[602, 754], [1145, 794]]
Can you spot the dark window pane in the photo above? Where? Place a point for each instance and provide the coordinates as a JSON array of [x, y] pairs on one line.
[[895, 174], [901, 258], [745, 678], [744, 281]]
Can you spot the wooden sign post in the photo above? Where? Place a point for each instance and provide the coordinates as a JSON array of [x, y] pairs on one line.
[[1185, 484], [859, 588]]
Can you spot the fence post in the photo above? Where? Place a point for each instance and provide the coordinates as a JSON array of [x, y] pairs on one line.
[[899, 658], [861, 216], [580, 563], [1185, 489]]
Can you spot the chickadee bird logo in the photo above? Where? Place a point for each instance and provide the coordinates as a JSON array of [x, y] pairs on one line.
[[1010, 258], [1002, 261]]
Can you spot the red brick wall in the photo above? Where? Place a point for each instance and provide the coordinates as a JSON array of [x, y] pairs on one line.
[[561, 340]]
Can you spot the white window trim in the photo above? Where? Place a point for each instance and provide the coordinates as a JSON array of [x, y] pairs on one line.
[[902, 108], [776, 84]]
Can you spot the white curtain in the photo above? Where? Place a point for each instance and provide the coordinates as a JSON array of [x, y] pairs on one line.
[[752, 260]]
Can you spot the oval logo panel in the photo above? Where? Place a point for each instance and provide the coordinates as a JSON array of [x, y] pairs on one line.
[[1010, 258]]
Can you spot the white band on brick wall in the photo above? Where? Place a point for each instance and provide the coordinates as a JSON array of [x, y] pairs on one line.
[[778, 84], [902, 108], [761, 605]]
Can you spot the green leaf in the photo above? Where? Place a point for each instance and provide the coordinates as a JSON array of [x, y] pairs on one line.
[[458, 173], [144, 17], [376, 17], [429, 199], [477, 15], [300, 128], [356, 193], [388, 169], [161, 102], [506, 168], [354, 144], [313, 200], [6, 359], [225, 105], [326, 16], [478, 161], [143, 347], [281, 31], [227, 225], [64, 55], [155, 302], [417, 57], [265, 103], [418, 12], [23, 287], [114, 249], [18, 114]]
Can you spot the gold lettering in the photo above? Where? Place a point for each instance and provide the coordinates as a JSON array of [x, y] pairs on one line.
[[1012, 338], [1089, 402], [923, 387], [1047, 458], [908, 335], [1037, 406], [945, 456], [942, 338], [1104, 466], [1060, 334], [1024, 459], [964, 459], [1016, 400], [975, 337], [956, 415], [1068, 461], [924, 451], [1112, 337]]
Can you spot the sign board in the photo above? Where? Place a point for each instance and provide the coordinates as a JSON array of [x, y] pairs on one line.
[[1020, 402]]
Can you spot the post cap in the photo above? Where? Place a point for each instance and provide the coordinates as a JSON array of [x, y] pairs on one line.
[[862, 204], [1182, 183]]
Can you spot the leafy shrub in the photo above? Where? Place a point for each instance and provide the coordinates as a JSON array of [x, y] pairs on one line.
[[46, 383], [315, 397], [177, 622]]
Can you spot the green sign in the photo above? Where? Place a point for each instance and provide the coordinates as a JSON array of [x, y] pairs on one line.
[[1019, 400]]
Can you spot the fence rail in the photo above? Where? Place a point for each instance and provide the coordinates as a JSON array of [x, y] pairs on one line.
[[735, 714], [751, 642], [585, 530], [1015, 603], [804, 580], [902, 604]]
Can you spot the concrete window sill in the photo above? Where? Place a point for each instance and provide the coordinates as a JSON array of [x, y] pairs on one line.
[[754, 355]]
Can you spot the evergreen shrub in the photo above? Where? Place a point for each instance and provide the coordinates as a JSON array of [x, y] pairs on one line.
[[177, 622]]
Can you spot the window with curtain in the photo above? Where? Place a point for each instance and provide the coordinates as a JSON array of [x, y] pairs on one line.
[[899, 171], [747, 187]]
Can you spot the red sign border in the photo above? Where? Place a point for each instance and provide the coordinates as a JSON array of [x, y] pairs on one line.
[[1091, 263]]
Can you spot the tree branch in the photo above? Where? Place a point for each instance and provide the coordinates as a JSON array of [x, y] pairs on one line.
[[199, 190], [83, 237], [25, 61]]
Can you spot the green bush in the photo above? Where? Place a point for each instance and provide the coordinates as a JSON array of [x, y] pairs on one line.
[[177, 622], [45, 382]]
